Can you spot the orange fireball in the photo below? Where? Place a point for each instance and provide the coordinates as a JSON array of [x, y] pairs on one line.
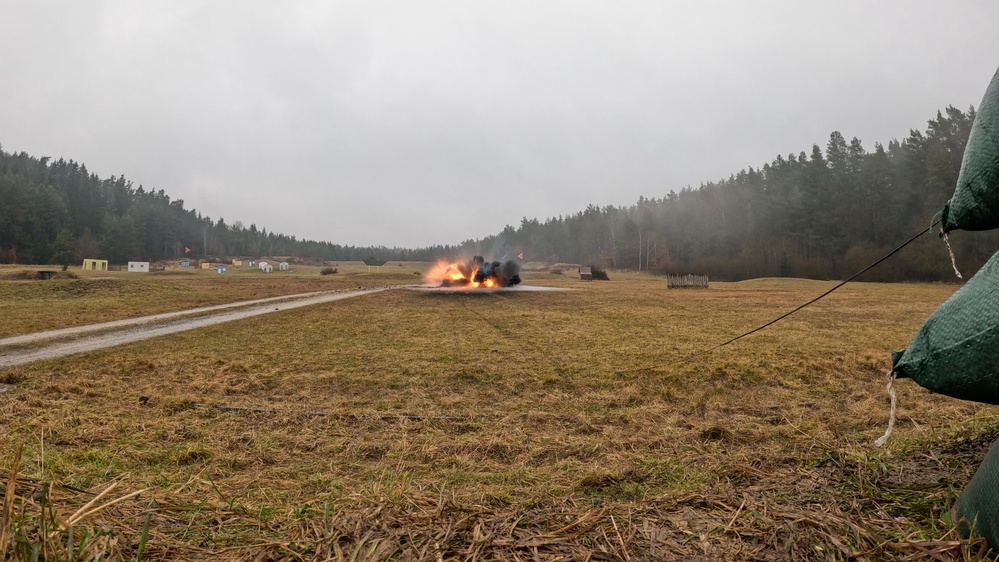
[[476, 273]]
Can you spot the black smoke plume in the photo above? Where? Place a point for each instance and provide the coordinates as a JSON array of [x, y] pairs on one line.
[[478, 272]]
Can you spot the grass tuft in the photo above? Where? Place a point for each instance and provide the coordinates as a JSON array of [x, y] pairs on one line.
[[532, 425]]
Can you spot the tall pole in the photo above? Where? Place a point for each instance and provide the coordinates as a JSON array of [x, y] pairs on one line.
[[639, 249]]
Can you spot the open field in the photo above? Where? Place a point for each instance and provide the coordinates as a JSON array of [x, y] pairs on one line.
[[535, 425], [102, 296]]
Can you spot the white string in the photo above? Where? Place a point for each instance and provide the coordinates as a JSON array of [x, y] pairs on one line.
[[953, 262], [891, 416]]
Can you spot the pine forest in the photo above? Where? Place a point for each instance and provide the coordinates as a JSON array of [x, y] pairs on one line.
[[822, 213]]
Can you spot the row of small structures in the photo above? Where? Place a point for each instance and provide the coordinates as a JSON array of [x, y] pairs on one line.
[[262, 266], [143, 266], [673, 280], [102, 265]]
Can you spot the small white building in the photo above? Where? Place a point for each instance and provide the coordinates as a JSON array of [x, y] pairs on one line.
[[266, 267], [138, 267], [283, 266]]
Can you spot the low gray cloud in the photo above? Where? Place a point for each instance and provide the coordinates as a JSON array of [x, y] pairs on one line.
[[418, 123]]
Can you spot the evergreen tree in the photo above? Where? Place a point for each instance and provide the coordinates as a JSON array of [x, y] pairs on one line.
[[817, 213]]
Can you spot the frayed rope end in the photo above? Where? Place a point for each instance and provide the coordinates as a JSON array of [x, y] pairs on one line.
[[953, 262], [891, 416]]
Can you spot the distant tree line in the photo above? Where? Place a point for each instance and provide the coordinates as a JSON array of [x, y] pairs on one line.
[[822, 214], [58, 212]]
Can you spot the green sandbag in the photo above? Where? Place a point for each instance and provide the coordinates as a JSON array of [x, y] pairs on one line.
[[956, 351], [975, 203], [977, 509]]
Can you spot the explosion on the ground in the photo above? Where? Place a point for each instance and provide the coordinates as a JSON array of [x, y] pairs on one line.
[[477, 273]]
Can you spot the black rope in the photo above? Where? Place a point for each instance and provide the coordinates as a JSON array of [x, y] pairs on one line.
[[786, 314], [754, 330], [841, 283]]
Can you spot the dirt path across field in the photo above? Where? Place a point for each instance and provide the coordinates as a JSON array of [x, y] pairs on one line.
[[136, 329], [19, 350], [79, 330]]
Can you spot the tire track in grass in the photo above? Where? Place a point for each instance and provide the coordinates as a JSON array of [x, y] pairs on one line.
[[138, 329], [74, 331]]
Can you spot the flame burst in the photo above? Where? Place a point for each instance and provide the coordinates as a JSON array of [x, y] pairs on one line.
[[474, 274]]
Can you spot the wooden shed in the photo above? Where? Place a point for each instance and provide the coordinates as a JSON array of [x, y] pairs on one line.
[[585, 274], [373, 263]]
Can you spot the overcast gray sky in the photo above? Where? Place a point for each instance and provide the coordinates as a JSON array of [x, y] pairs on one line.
[[417, 123]]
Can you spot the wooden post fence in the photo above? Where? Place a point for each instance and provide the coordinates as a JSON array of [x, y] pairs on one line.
[[683, 280]]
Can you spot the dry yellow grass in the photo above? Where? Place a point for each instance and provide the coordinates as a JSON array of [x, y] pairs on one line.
[[418, 426], [77, 297]]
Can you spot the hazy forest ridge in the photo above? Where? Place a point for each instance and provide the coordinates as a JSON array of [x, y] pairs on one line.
[[817, 214]]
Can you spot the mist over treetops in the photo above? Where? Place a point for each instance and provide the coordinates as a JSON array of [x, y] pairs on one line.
[[821, 213]]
